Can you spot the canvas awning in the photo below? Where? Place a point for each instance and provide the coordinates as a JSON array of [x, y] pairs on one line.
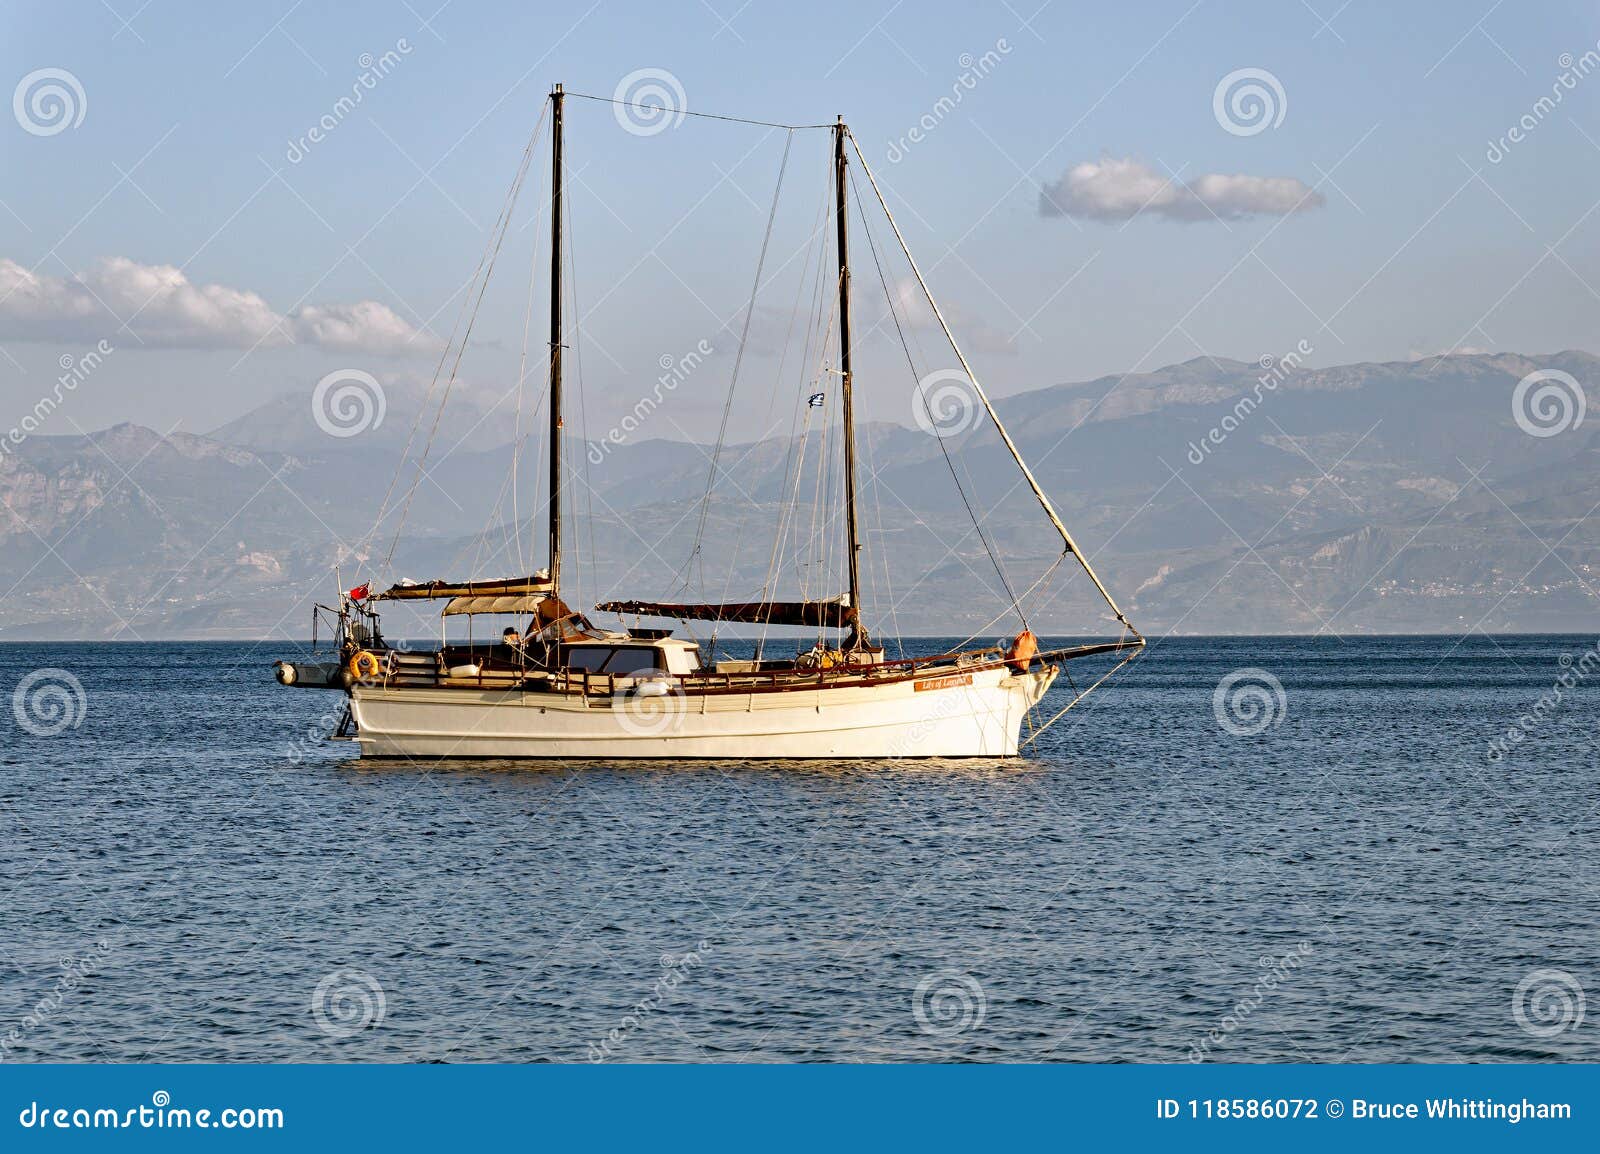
[[834, 613], [518, 603], [545, 610]]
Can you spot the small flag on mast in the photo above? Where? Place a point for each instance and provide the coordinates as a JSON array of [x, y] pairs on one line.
[[360, 592], [815, 400]]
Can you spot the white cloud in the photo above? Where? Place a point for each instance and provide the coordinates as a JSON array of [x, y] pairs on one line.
[[365, 326], [1118, 189], [163, 307], [972, 331]]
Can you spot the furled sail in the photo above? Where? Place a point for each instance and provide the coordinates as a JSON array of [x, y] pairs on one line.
[[835, 613], [510, 595], [535, 587]]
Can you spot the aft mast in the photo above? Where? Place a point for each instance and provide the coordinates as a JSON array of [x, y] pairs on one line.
[[845, 387], [556, 99]]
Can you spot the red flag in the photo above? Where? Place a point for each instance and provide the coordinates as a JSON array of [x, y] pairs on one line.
[[359, 593]]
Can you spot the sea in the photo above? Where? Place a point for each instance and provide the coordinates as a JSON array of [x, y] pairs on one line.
[[1240, 849]]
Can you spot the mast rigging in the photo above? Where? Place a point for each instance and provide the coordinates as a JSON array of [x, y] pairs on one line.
[[1070, 546], [555, 339], [846, 392]]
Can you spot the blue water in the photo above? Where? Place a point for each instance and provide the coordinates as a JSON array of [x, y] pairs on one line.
[[185, 876]]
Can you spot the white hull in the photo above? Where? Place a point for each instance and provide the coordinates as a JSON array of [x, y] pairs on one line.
[[975, 713]]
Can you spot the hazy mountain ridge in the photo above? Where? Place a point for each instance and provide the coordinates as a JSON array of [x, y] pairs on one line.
[[1399, 497]]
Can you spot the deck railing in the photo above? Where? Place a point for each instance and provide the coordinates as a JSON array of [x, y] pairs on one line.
[[403, 669]]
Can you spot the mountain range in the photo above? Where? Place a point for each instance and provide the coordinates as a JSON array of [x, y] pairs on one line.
[[1213, 496]]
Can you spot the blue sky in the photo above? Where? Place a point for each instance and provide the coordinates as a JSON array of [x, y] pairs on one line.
[[1412, 241]]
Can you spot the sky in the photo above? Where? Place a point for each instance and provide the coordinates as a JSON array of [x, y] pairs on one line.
[[1089, 189]]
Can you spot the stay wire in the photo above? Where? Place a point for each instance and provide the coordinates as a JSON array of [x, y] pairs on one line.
[[667, 110], [503, 225], [939, 436], [733, 383]]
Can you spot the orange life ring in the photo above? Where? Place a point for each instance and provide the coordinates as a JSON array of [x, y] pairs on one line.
[[1022, 650], [364, 665]]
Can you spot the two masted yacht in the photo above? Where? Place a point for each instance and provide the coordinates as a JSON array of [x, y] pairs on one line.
[[554, 684]]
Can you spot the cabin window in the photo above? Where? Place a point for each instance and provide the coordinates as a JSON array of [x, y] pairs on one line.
[[590, 657], [622, 661], [632, 662], [682, 660]]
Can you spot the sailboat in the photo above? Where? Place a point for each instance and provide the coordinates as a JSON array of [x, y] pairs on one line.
[[561, 686]]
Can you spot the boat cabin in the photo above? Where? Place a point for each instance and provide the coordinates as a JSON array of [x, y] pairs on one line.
[[632, 656]]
